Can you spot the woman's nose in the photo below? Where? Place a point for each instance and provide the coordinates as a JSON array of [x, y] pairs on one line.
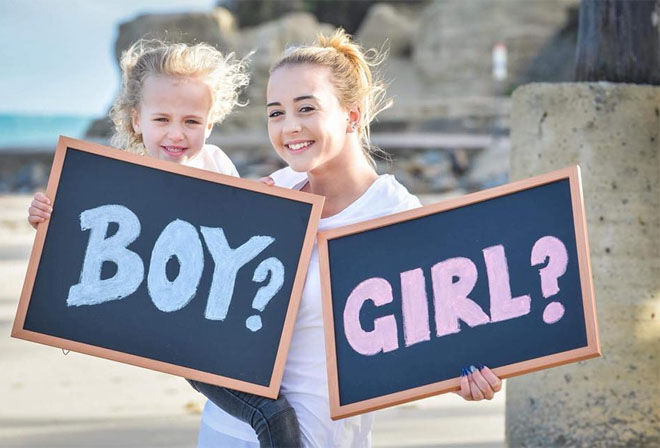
[[292, 125]]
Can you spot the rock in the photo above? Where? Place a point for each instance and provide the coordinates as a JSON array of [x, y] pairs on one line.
[[390, 26], [212, 27], [454, 40], [251, 13], [100, 128]]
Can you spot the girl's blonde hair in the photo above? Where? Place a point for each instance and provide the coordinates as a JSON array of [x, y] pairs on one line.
[[352, 76], [224, 75]]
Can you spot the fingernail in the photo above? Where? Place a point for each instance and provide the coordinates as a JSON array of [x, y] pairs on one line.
[[473, 369], [480, 366], [464, 371]]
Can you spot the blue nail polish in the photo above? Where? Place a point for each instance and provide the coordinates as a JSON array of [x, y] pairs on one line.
[[480, 366], [464, 371], [473, 369]]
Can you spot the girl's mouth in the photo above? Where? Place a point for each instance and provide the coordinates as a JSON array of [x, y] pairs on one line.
[[174, 151], [298, 147]]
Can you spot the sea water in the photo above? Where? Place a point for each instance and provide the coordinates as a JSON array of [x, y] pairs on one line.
[[22, 130]]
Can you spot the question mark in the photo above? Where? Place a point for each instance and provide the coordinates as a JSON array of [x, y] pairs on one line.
[[267, 292], [552, 249]]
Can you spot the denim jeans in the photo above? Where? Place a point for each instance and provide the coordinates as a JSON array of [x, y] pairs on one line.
[[274, 421]]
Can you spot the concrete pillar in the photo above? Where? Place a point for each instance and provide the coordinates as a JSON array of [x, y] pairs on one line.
[[613, 132]]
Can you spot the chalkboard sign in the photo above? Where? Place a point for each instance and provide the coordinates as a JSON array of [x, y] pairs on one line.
[[168, 267], [500, 277]]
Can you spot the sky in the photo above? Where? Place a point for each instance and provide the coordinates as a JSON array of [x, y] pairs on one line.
[[58, 55]]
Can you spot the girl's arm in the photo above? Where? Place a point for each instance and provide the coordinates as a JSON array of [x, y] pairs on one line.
[[40, 209]]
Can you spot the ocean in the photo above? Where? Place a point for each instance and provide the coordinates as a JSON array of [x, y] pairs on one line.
[[36, 131]]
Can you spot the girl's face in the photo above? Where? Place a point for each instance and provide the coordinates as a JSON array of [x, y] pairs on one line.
[[173, 117], [307, 125]]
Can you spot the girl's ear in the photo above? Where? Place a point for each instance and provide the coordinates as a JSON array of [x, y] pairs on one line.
[[209, 128], [135, 121]]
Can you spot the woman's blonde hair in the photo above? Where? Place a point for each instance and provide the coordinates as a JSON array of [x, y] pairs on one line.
[[353, 77], [224, 75]]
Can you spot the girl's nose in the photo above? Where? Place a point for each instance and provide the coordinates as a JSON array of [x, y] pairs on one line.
[[175, 133]]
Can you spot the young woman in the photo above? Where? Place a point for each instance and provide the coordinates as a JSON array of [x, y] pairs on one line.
[[320, 102]]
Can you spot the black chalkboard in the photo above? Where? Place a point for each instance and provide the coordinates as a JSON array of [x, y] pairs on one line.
[[167, 323], [464, 265]]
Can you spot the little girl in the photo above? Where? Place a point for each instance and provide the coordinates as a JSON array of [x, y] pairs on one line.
[[171, 96], [320, 102]]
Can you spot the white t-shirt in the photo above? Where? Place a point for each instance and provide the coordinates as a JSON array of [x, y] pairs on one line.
[[305, 382], [213, 159]]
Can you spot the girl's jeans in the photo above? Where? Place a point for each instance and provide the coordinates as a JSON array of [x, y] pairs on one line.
[[274, 421]]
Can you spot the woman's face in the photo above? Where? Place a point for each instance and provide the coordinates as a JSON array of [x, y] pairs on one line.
[[307, 125]]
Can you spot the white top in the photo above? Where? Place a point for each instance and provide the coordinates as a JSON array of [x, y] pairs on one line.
[[305, 382], [213, 159]]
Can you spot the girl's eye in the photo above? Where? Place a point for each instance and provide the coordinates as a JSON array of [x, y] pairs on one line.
[[192, 121], [275, 113]]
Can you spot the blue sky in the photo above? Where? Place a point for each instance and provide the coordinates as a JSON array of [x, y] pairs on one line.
[[58, 55]]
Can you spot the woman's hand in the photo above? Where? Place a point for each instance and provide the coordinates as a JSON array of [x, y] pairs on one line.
[[40, 209], [479, 383]]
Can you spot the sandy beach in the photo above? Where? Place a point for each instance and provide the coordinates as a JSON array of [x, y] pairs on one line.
[[55, 400]]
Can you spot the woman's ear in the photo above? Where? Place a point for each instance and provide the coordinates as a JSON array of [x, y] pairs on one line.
[[354, 116], [135, 121]]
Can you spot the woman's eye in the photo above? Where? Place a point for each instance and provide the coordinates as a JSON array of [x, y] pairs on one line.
[[161, 119], [306, 109], [275, 113]]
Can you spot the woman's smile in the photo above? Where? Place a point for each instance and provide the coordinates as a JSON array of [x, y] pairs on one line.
[[298, 146]]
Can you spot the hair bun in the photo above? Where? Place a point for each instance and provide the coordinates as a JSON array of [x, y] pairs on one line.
[[341, 42]]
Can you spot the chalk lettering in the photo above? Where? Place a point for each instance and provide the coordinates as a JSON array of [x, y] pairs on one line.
[[181, 240], [384, 335], [92, 290], [414, 307], [451, 298], [227, 263], [502, 305]]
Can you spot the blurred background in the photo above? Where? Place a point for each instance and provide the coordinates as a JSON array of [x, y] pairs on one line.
[[456, 127], [451, 68]]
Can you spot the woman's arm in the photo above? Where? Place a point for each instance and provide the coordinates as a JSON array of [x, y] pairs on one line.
[[479, 383]]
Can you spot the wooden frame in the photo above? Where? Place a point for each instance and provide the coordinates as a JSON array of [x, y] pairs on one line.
[[272, 389], [593, 343]]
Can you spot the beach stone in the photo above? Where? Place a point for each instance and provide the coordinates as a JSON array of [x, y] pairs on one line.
[[387, 25], [213, 27], [475, 27], [613, 132]]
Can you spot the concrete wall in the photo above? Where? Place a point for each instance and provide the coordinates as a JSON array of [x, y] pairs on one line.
[[613, 132]]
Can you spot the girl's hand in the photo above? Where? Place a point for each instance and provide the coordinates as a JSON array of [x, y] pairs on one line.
[[479, 383], [40, 209], [267, 180]]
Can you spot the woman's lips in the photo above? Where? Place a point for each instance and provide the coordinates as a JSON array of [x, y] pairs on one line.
[[299, 146]]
